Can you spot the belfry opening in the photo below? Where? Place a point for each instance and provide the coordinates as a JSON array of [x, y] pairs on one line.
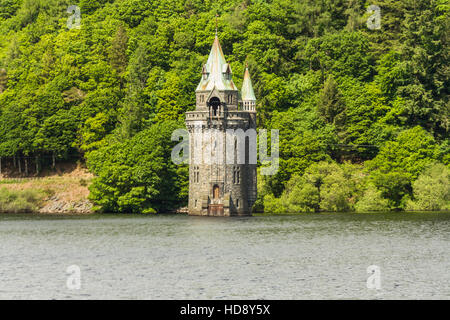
[[214, 103]]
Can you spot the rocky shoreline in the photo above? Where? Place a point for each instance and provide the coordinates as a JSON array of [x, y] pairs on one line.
[[54, 205]]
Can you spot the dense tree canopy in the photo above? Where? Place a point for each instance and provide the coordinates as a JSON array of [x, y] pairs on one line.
[[138, 175], [339, 92]]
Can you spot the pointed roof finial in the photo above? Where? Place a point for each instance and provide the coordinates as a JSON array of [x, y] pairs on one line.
[[217, 16]]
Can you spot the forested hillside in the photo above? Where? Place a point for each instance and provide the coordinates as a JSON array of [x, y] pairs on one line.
[[363, 113]]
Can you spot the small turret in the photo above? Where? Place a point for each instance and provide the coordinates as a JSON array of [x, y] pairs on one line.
[[247, 93]]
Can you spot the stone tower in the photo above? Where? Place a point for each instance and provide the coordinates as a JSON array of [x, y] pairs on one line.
[[218, 186]]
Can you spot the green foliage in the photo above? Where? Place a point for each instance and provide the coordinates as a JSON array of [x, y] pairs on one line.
[[330, 106], [273, 205], [335, 89], [431, 190], [95, 130], [325, 186], [8, 8], [15, 201], [118, 54], [400, 162], [341, 188], [301, 196], [364, 125], [138, 175], [342, 54], [395, 186], [372, 200], [303, 141], [3, 80]]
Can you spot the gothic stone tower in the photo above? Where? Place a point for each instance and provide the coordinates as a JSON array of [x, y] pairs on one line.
[[220, 188]]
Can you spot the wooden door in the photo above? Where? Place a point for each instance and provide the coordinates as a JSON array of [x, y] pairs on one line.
[[216, 192]]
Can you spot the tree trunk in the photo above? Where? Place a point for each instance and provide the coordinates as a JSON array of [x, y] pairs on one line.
[[26, 166], [20, 165], [37, 165], [0, 165], [53, 161]]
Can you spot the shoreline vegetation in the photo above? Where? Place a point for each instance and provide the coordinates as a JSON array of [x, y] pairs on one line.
[[66, 192], [330, 187], [362, 113]]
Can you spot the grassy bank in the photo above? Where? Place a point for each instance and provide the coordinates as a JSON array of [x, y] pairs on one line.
[[20, 201], [63, 191]]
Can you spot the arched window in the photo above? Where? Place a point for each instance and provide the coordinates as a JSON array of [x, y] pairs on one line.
[[196, 174], [214, 103]]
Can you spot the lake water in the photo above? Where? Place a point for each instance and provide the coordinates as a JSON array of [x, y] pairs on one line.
[[311, 256]]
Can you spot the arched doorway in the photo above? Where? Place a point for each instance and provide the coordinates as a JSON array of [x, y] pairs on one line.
[[216, 192], [215, 208], [215, 104]]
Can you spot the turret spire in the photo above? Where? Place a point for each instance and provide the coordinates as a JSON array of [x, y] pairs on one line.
[[216, 72], [247, 88]]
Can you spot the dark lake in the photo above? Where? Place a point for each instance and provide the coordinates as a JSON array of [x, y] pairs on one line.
[[308, 256]]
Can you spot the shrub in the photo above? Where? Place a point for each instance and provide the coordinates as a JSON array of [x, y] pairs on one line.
[[372, 200], [138, 175], [303, 198], [325, 186], [12, 201], [273, 205], [400, 162], [431, 190], [336, 184]]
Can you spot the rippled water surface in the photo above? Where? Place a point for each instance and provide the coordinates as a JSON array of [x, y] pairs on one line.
[[272, 257]]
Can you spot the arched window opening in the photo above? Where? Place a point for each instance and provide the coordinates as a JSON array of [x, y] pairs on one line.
[[215, 104]]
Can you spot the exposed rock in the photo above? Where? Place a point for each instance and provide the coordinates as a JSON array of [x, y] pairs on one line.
[[72, 207], [184, 210]]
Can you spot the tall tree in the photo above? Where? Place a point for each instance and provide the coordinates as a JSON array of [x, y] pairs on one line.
[[331, 105], [3, 80], [118, 54]]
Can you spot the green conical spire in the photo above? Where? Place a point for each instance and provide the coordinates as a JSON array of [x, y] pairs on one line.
[[216, 72], [247, 88]]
